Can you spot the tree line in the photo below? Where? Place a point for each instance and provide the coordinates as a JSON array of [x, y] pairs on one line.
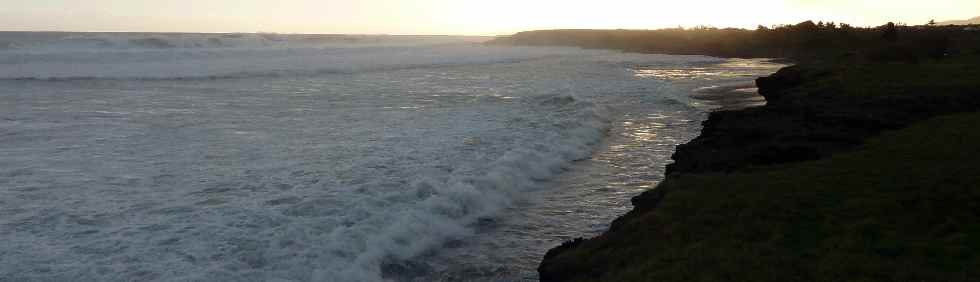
[[803, 41]]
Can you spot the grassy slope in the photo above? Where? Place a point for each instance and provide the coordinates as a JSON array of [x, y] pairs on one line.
[[905, 207], [895, 79]]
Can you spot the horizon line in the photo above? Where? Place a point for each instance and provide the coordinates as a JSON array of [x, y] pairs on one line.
[[422, 34]]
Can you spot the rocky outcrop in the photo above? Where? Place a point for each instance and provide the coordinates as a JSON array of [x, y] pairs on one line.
[[775, 86], [806, 119], [803, 124]]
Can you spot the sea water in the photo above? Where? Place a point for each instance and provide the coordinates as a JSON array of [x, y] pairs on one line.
[[266, 157]]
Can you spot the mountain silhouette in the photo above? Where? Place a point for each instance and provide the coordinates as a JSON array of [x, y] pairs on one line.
[[975, 20]]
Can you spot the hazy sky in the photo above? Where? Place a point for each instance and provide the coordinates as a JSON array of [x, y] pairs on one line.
[[483, 17]]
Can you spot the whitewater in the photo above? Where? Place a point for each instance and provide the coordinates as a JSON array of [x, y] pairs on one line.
[[268, 157]]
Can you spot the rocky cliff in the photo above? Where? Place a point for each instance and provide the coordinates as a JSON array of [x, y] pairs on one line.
[[814, 112]]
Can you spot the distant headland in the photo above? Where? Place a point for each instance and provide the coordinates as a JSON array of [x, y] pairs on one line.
[[802, 41], [973, 21], [863, 166]]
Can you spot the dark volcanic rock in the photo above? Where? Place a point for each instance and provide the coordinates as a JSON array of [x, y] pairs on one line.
[[801, 125], [805, 119], [776, 85]]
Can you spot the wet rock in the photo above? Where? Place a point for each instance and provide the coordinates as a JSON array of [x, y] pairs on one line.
[[778, 84]]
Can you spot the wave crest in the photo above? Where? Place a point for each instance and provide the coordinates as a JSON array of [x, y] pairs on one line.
[[447, 209], [156, 58]]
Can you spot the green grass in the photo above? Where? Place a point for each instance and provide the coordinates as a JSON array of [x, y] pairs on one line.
[[933, 77], [905, 208]]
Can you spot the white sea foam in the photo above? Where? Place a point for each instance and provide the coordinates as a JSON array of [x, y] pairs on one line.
[[76, 63], [54, 42], [433, 211], [311, 163]]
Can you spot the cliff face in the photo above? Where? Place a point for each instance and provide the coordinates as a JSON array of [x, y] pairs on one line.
[[814, 112]]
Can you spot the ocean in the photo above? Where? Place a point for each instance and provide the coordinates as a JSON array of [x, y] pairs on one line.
[[270, 157]]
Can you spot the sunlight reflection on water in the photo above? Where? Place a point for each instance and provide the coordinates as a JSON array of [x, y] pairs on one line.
[[725, 86], [595, 191], [732, 69]]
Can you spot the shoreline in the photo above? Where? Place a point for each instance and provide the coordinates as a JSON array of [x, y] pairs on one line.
[[806, 119], [730, 97]]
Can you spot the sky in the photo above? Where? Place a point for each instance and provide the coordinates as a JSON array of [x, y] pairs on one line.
[[459, 17]]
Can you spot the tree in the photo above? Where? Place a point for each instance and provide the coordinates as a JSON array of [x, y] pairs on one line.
[[807, 27], [890, 32], [932, 22]]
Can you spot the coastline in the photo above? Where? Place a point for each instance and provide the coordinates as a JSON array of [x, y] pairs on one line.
[[730, 97], [815, 112]]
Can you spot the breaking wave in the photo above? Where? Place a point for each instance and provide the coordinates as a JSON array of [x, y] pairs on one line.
[[160, 72], [380, 156], [432, 211], [197, 56], [49, 42]]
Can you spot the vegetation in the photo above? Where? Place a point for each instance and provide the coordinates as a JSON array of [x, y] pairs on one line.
[[816, 110], [803, 41], [864, 166], [906, 208]]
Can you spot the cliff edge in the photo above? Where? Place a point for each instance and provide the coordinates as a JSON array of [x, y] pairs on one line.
[[853, 171]]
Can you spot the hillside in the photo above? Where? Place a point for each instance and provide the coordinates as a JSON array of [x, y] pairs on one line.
[[973, 21]]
